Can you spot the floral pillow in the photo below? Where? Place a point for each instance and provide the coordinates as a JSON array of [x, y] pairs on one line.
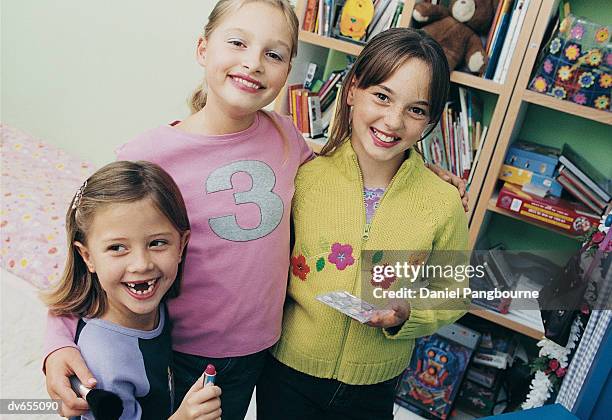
[[38, 183]]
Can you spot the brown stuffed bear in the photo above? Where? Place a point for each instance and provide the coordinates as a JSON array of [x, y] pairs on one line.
[[457, 29]]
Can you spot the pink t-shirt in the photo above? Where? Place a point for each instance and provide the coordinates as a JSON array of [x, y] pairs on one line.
[[238, 190]]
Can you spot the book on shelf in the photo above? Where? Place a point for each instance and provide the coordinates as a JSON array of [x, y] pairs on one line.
[[312, 112], [310, 15], [311, 74], [587, 173], [514, 29], [566, 216], [576, 193], [384, 20], [314, 116], [582, 189], [493, 29], [323, 17], [455, 142], [498, 38]]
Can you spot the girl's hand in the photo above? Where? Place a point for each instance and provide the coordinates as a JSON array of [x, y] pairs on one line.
[[200, 402], [59, 367], [387, 318], [453, 180]]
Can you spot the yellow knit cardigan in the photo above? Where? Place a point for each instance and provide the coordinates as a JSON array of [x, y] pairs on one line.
[[419, 211]]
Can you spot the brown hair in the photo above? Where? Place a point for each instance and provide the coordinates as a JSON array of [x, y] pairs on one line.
[[221, 10], [380, 58], [79, 292]]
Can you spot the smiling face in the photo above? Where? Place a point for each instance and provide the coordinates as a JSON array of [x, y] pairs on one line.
[[247, 62], [390, 117], [135, 252]]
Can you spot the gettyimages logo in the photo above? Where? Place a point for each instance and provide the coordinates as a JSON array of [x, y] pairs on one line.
[[494, 279]]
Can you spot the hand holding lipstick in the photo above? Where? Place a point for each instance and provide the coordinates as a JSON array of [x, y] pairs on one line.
[[202, 401]]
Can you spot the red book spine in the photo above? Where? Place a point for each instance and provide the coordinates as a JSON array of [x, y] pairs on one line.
[[581, 187], [310, 15]]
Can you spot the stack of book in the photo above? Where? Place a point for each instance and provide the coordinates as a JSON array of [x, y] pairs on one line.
[[569, 217], [583, 181], [323, 17], [311, 104], [456, 142], [533, 168], [503, 36]]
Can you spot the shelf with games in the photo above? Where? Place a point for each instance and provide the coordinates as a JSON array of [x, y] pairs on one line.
[[524, 104], [568, 107]]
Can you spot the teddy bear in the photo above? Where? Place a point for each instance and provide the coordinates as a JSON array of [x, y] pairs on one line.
[[457, 29]]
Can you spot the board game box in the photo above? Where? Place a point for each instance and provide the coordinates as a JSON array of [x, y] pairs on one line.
[[431, 382]]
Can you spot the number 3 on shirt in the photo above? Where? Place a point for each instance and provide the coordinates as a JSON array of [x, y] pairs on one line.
[[270, 204]]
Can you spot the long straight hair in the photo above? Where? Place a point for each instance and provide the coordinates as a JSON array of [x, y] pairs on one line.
[[379, 59], [79, 292]]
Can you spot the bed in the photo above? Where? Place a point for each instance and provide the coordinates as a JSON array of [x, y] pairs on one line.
[[38, 183]]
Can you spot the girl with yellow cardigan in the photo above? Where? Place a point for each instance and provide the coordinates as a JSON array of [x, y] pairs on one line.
[[369, 190]]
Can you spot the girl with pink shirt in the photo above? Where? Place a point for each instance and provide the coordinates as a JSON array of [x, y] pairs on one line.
[[235, 165]]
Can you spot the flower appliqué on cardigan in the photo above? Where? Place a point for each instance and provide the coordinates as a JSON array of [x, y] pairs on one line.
[[299, 268], [341, 255]]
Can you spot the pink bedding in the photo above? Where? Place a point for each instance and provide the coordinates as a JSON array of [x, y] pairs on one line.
[[38, 183]]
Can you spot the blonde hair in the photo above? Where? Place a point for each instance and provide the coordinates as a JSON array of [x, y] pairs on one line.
[[79, 292], [224, 8]]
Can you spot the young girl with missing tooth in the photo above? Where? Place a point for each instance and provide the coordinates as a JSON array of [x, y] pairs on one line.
[[235, 165], [118, 275], [368, 191]]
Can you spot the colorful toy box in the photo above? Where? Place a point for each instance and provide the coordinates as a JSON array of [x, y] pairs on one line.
[[523, 177], [539, 159], [577, 64]]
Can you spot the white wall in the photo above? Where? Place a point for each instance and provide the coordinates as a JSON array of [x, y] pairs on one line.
[[88, 75]]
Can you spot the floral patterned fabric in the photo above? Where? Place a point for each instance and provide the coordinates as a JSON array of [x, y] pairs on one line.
[[577, 64], [38, 183], [371, 199]]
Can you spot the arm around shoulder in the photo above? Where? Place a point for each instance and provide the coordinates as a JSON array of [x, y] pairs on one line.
[[442, 303]]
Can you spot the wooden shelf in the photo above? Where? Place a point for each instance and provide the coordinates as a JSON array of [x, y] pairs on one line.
[[493, 207], [568, 107], [529, 327], [333, 43], [347, 47], [475, 82]]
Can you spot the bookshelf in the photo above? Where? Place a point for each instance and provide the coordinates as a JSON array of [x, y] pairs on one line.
[[587, 129], [567, 107], [525, 103]]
